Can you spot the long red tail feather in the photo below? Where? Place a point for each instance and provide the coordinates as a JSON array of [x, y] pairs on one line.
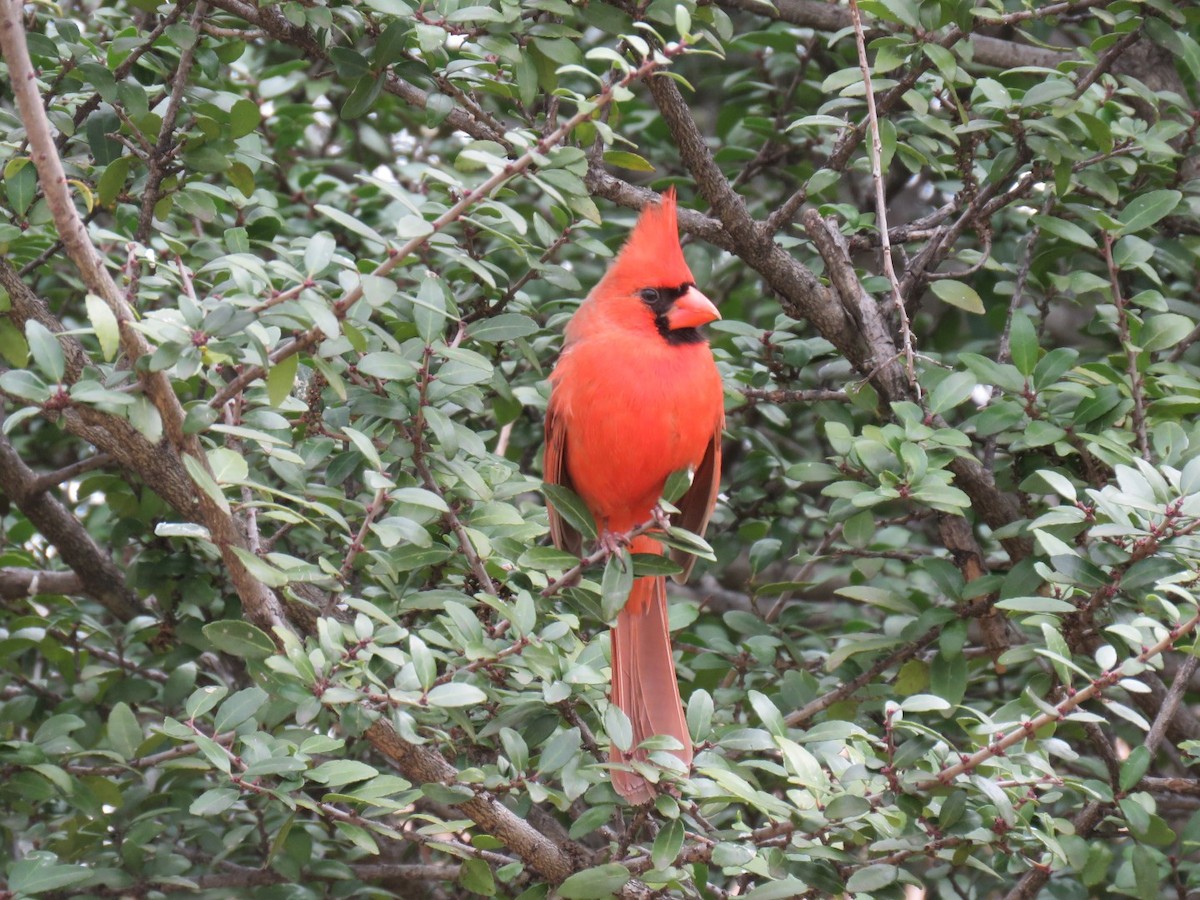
[[644, 684]]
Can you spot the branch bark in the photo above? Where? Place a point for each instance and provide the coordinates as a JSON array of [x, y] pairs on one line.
[[985, 51], [99, 576]]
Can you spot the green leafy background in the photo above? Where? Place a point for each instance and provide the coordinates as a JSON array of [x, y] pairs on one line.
[[247, 170]]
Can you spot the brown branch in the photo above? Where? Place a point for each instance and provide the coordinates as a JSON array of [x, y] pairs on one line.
[[1136, 382], [421, 764], [101, 579], [17, 584], [67, 473], [160, 153], [1170, 705], [1001, 742], [1106, 61], [805, 396], [246, 877], [154, 760], [986, 51], [26, 305], [606, 185], [875, 151]]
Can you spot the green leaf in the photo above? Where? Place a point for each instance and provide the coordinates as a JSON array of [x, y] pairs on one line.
[[244, 117], [338, 772], [204, 481], [568, 505], [13, 346], [238, 638], [144, 416], [261, 569], [46, 351], [872, 878], [622, 159], [504, 327], [214, 801], [228, 466], [700, 708], [20, 184], [124, 730], [359, 837], [455, 694], [475, 876], [1165, 330], [952, 390], [1023, 344], [40, 873], [847, 806], [559, 751], [682, 539], [782, 889], [616, 584], [429, 310], [349, 222], [419, 497], [238, 708], [365, 446], [362, 96], [958, 294], [1068, 231], [1134, 767], [388, 366], [668, 844], [594, 884], [104, 323], [281, 379], [1146, 209], [204, 699], [1036, 604]]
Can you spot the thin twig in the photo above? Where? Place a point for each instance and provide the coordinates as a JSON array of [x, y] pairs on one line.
[[1106, 679], [569, 577], [1131, 353], [166, 135], [885, 247], [816, 395], [66, 473]]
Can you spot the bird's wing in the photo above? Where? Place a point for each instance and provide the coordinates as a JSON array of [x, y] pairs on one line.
[[696, 505], [555, 472]]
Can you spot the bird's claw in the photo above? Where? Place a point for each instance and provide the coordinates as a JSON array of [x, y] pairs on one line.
[[661, 518], [611, 543]]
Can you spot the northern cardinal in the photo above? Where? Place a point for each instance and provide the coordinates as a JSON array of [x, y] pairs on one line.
[[635, 397]]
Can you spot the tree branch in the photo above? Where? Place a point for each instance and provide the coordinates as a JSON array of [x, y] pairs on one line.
[[986, 51], [101, 579]]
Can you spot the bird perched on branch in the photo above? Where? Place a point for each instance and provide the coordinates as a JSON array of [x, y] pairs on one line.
[[635, 397]]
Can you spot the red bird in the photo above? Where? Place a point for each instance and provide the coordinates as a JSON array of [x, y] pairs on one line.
[[636, 397]]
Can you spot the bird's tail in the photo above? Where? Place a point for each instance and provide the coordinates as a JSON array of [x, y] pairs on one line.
[[644, 682]]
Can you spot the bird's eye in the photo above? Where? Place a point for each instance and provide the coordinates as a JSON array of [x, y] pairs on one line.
[[649, 295]]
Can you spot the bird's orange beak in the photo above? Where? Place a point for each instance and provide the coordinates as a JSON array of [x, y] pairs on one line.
[[691, 310]]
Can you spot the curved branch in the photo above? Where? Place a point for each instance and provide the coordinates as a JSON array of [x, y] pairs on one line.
[[99, 576]]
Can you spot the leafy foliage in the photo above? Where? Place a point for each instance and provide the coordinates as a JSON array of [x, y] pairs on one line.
[[280, 616]]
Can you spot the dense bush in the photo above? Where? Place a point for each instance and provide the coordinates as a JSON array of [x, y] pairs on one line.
[[283, 284]]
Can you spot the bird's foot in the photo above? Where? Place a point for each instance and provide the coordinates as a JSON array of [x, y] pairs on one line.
[[612, 543], [661, 518]]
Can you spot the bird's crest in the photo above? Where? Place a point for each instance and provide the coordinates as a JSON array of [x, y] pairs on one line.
[[651, 256]]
